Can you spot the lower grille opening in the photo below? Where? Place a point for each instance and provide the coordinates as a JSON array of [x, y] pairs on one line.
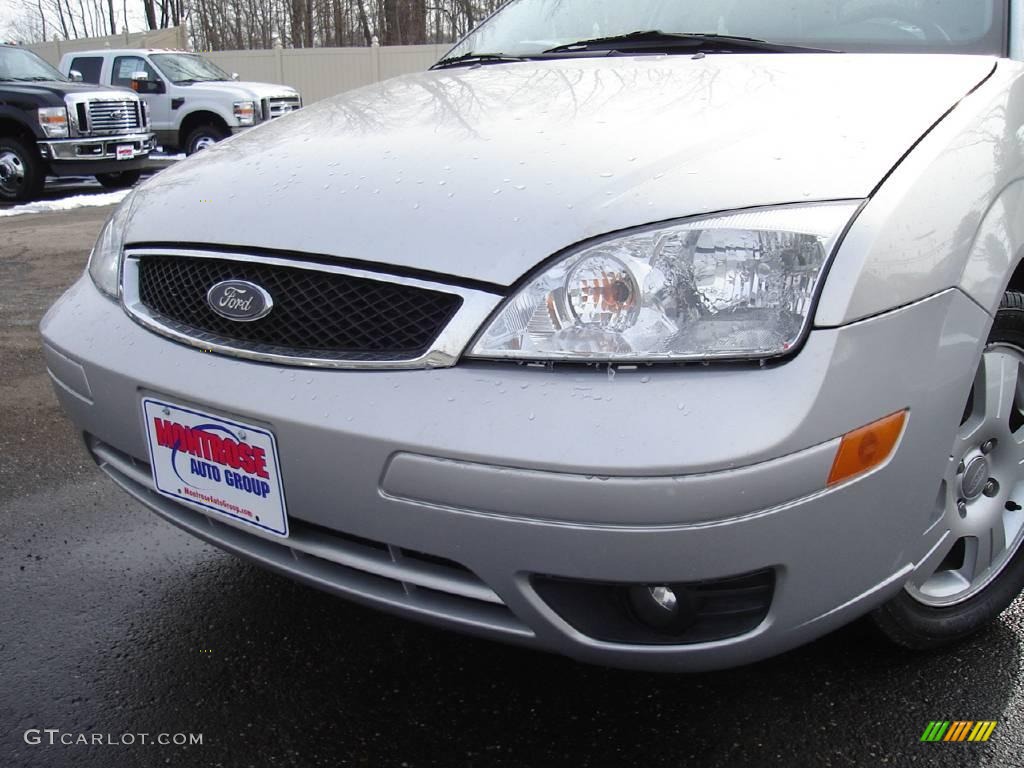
[[406, 555], [349, 537], [426, 586]]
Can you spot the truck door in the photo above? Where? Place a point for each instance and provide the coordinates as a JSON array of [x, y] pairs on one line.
[[153, 91]]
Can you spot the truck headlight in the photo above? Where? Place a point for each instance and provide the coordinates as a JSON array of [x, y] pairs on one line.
[[734, 286], [105, 259], [54, 122], [245, 112]]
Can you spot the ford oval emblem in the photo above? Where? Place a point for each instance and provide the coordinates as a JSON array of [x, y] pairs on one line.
[[239, 300]]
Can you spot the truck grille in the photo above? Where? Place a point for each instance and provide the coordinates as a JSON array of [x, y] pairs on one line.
[[280, 106], [113, 116], [316, 314]]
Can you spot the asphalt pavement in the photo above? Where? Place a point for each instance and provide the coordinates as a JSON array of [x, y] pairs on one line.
[[113, 623]]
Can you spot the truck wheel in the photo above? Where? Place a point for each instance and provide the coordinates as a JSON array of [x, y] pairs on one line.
[[118, 180], [977, 570], [203, 137], [21, 171]]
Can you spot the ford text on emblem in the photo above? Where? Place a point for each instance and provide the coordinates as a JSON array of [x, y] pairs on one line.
[[239, 300]]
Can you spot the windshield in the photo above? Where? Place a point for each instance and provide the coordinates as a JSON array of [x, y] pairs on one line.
[[19, 64], [188, 68], [530, 27]]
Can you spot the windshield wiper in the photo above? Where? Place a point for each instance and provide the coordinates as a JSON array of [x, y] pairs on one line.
[[33, 79], [656, 40], [470, 59]]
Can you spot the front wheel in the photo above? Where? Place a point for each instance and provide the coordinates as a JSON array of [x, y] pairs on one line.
[[203, 137], [21, 171], [118, 180], [977, 570]]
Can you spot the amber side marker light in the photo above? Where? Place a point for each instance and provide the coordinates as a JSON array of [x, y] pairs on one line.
[[866, 448]]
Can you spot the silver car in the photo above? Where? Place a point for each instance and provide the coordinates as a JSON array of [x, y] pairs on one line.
[[663, 335]]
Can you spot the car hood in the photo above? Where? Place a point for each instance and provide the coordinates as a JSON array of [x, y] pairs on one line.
[[240, 89], [482, 173], [58, 89]]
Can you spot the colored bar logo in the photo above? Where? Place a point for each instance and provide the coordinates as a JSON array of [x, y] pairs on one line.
[[959, 730]]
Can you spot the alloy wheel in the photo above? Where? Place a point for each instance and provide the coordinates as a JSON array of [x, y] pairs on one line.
[[982, 496]]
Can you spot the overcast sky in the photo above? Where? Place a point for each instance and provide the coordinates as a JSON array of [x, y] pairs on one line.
[[12, 9], [7, 14]]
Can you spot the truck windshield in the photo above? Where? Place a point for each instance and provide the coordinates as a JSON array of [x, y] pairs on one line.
[[529, 28], [188, 68], [20, 65]]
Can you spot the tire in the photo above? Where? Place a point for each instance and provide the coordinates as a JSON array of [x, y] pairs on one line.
[[967, 583], [21, 171], [118, 180], [203, 136]]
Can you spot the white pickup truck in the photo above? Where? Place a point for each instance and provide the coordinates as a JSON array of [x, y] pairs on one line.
[[192, 102]]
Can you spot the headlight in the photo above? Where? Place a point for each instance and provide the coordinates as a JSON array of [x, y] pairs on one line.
[[736, 286], [245, 112], [105, 259], [54, 122]]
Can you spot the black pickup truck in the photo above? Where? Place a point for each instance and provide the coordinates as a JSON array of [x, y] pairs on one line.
[[50, 125]]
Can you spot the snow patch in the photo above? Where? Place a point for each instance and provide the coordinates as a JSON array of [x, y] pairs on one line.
[[68, 203]]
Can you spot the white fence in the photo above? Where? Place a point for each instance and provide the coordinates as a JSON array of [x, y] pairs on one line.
[[316, 72], [322, 72], [158, 38]]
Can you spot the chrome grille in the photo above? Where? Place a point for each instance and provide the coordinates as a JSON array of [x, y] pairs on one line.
[[392, 313], [113, 116], [278, 107], [316, 314]]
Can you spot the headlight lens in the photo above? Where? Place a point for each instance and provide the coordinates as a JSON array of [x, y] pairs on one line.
[[245, 112], [54, 122], [735, 286], [105, 259]]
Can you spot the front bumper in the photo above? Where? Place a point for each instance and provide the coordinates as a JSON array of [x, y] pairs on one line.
[[439, 494], [70, 156]]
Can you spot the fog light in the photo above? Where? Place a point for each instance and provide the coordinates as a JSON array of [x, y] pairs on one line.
[[655, 606], [674, 613]]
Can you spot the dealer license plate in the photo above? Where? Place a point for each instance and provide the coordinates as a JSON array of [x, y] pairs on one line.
[[226, 468], [125, 152]]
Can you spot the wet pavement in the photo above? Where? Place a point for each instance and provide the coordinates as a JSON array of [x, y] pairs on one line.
[[115, 623]]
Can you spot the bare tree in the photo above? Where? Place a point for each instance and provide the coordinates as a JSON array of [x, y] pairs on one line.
[[241, 24]]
